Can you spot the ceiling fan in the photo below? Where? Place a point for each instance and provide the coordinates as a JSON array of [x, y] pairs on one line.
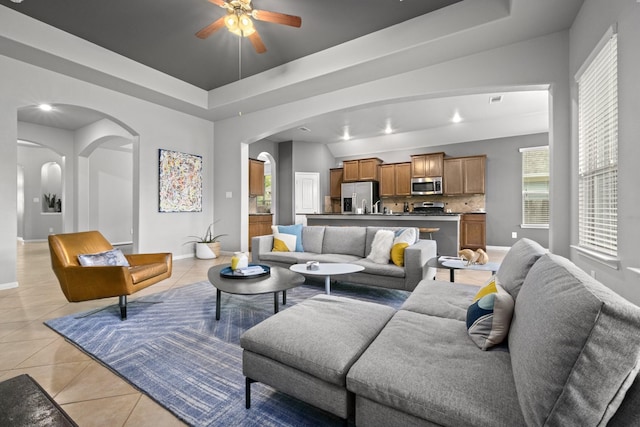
[[238, 21]]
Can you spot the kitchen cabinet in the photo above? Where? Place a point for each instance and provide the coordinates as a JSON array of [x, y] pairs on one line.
[[361, 170], [387, 180], [403, 179], [335, 181], [473, 231], [427, 165], [395, 179], [351, 170], [259, 225], [464, 175], [368, 169], [256, 177]]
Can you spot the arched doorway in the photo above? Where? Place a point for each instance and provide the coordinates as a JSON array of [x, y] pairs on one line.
[[97, 158]]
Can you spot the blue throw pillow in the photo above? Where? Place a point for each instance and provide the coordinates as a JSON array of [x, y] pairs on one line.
[[296, 230]]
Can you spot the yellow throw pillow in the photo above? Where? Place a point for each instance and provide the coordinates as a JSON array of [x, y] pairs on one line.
[[283, 242], [400, 243]]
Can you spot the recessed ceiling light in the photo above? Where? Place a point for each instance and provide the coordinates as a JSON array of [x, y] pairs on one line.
[[388, 130], [45, 107], [456, 118], [495, 99]]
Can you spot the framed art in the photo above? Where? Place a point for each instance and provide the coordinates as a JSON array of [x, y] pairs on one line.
[[180, 182]]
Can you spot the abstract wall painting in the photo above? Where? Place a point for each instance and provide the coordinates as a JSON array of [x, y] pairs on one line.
[[180, 186]]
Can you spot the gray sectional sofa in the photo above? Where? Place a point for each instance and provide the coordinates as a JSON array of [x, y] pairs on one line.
[[352, 245], [571, 357]]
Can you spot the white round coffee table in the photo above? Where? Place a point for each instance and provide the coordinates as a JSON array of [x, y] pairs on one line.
[[327, 270]]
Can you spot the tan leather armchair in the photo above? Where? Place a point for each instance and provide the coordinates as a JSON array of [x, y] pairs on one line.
[[80, 283]]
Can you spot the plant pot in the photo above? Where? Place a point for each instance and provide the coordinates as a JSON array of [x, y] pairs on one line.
[[203, 251], [215, 248]]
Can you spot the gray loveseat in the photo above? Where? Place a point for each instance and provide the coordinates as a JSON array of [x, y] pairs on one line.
[[352, 245], [571, 358]]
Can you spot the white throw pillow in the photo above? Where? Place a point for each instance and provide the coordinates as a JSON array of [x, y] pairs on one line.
[[381, 246], [404, 239]]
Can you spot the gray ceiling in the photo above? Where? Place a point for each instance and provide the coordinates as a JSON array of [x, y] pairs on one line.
[[161, 33]]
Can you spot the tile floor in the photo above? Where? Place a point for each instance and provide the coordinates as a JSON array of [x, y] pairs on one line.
[[90, 393]]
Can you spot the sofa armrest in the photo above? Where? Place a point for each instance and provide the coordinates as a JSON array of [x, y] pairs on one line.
[[415, 262], [260, 245]]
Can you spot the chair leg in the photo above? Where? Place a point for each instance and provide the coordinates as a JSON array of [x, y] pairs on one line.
[[123, 306]]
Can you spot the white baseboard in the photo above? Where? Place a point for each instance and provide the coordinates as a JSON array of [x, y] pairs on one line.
[[10, 285]]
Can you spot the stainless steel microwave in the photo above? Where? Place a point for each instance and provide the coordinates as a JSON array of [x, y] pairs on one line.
[[426, 186]]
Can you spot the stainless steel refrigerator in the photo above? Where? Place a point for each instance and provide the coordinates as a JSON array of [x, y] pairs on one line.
[[359, 195]]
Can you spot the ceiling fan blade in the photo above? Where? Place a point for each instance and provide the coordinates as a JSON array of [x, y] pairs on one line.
[[256, 41], [211, 28], [276, 17], [220, 3]]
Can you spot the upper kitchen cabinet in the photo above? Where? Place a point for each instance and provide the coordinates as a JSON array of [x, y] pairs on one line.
[[361, 170], [464, 175], [256, 177], [395, 179], [427, 165]]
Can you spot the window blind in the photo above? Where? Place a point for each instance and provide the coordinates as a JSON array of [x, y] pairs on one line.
[[598, 151], [535, 186]]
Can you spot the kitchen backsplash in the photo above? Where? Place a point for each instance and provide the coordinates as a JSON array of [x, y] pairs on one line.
[[460, 204]]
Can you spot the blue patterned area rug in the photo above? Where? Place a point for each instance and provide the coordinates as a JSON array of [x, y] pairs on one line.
[[179, 355]]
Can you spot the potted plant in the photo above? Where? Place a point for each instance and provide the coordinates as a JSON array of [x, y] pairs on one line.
[[207, 245], [50, 201]]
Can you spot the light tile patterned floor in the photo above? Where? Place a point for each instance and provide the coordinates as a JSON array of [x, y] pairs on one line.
[[89, 392]]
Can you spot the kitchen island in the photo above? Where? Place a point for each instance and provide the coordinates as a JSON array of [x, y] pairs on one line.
[[448, 238]]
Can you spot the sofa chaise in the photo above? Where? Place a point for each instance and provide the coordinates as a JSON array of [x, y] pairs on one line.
[[570, 356], [352, 245]]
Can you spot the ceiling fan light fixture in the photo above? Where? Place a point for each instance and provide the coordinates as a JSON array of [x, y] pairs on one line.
[[232, 23]]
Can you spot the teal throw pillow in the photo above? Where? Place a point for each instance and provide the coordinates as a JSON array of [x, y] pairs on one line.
[[296, 230]]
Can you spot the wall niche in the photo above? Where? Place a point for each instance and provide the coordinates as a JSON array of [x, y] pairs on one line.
[[51, 185]]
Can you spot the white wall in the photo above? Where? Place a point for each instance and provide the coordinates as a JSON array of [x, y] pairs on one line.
[[111, 194], [541, 62], [595, 17], [156, 127], [36, 223]]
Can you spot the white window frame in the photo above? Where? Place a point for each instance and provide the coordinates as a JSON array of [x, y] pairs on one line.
[[525, 192], [598, 152]]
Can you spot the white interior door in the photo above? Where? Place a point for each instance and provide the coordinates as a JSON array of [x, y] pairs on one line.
[[307, 195]]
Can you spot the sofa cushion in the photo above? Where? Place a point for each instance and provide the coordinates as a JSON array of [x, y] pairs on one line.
[[387, 269], [344, 240], [442, 299], [428, 367], [312, 238], [574, 346], [489, 317], [516, 264], [381, 247], [403, 239], [322, 336]]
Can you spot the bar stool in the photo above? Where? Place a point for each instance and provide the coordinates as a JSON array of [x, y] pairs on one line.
[[430, 230]]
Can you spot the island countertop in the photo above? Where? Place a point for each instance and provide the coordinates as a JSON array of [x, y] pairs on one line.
[[447, 238]]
